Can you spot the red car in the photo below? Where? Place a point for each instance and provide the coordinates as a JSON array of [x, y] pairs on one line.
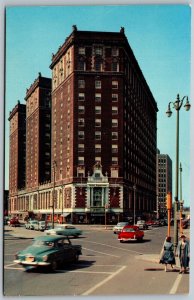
[[14, 222], [129, 233]]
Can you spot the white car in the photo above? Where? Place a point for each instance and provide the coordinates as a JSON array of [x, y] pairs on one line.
[[119, 227], [41, 226], [30, 224], [142, 224]]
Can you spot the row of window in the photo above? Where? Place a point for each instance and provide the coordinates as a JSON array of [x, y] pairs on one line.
[[81, 148], [98, 84], [81, 160], [81, 97], [81, 135], [98, 109], [98, 50]]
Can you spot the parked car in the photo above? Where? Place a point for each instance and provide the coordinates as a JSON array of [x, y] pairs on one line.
[[142, 224], [152, 223], [119, 227], [14, 222], [31, 224], [129, 233], [48, 251], [41, 226], [6, 220], [64, 229]]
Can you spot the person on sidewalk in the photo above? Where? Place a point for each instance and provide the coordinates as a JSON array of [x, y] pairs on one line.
[[183, 253], [167, 256]]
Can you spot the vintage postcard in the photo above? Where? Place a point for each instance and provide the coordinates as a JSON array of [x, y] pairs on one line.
[[97, 150]]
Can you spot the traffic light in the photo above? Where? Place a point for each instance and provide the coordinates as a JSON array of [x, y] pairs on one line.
[[169, 201]]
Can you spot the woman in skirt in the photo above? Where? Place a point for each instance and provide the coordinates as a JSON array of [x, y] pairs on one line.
[[168, 254]]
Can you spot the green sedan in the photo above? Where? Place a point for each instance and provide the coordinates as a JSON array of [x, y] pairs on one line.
[[48, 251]]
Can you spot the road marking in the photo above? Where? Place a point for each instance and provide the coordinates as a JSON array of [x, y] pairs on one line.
[[19, 242], [100, 252], [88, 292], [176, 285], [114, 247], [92, 272]]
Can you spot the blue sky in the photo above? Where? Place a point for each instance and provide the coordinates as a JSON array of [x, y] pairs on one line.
[[159, 36]]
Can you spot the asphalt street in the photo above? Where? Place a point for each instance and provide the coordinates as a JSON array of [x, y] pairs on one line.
[[106, 267]]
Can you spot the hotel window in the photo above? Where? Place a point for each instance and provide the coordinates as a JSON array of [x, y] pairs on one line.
[[81, 147], [114, 123], [97, 159], [115, 51], [98, 135], [115, 97], [114, 110], [98, 97], [98, 84], [81, 96], [98, 65], [115, 67], [98, 148], [80, 160], [98, 51], [115, 84], [81, 135], [81, 83], [115, 160], [81, 66], [81, 109], [81, 122], [114, 135], [81, 50], [98, 122], [98, 109], [80, 172], [114, 148]]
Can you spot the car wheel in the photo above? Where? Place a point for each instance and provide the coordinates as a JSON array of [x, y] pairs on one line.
[[140, 239], [53, 265], [76, 257], [121, 241]]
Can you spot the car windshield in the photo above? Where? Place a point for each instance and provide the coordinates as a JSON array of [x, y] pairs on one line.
[[122, 224], [65, 227], [43, 243], [129, 230]]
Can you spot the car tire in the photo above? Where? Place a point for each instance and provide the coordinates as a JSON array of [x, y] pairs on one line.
[[53, 266], [76, 259]]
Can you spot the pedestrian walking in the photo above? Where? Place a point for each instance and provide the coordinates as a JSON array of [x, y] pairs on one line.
[[167, 256], [183, 253]]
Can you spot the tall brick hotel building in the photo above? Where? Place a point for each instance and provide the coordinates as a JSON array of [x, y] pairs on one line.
[[90, 138]]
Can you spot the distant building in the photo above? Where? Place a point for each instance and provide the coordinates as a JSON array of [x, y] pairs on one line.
[[164, 180], [17, 154], [103, 134], [38, 128]]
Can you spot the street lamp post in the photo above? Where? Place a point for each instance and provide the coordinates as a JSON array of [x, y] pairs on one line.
[[134, 203], [177, 106], [53, 204], [62, 203], [181, 200]]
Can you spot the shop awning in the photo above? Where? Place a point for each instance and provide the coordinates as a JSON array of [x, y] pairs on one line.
[[65, 214]]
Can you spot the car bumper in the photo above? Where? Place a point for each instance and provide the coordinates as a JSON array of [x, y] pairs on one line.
[[127, 239], [32, 263]]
